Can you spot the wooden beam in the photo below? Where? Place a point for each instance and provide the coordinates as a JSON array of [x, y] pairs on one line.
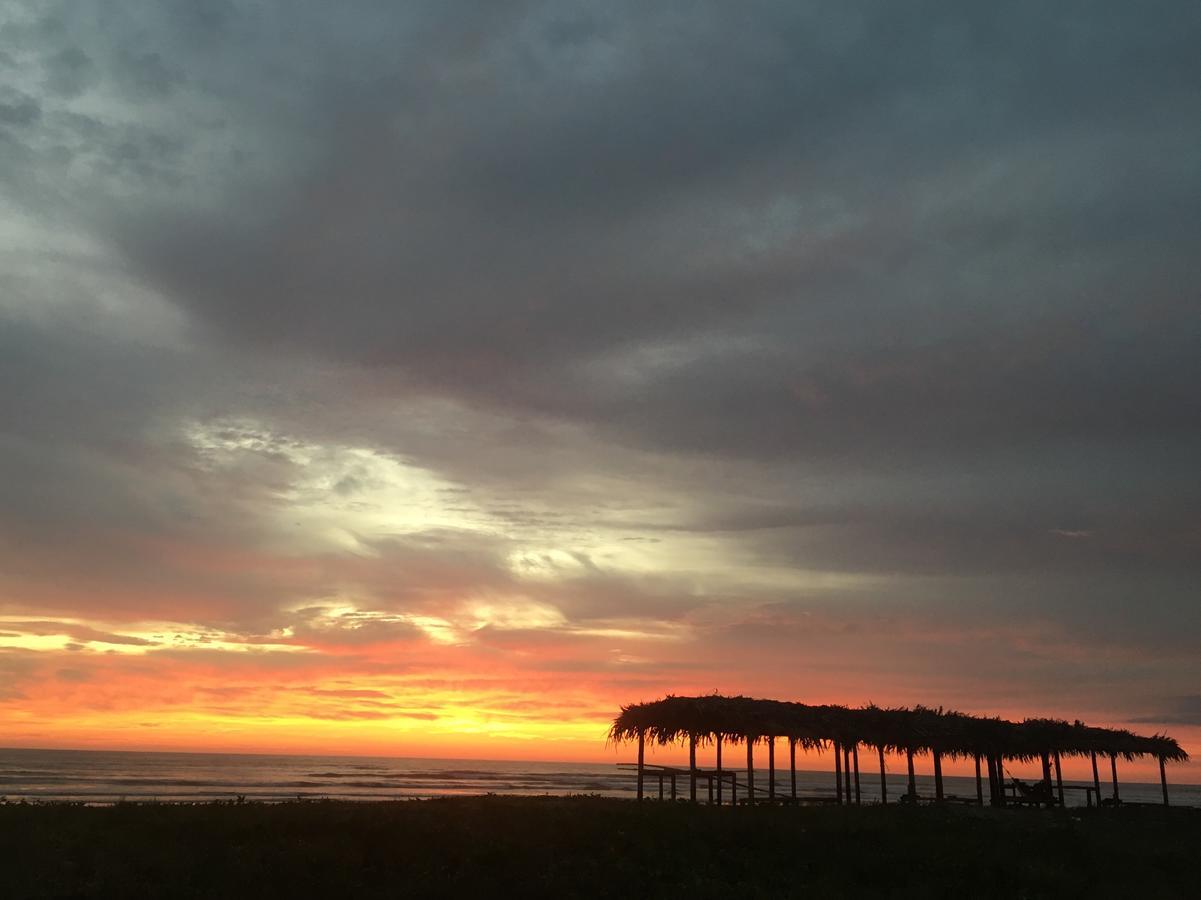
[[938, 776], [846, 770], [1113, 766], [719, 778], [1163, 780], [771, 767], [692, 768], [1096, 777], [912, 777], [979, 783], [641, 759], [855, 760], [750, 770], [837, 772], [1058, 778], [883, 779], [792, 764], [1001, 777], [992, 779]]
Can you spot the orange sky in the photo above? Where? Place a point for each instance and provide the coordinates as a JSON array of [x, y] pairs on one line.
[[493, 693]]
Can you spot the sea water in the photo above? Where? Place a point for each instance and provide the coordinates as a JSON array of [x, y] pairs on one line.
[[93, 776]]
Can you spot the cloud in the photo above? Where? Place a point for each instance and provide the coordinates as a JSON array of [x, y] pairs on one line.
[[536, 338], [1185, 710], [78, 632]]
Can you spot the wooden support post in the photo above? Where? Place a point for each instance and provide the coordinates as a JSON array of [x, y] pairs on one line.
[[771, 767], [1096, 777], [719, 778], [912, 777], [1058, 778], [938, 776], [1163, 780], [979, 783], [855, 760], [883, 779], [641, 760], [692, 768], [1047, 771], [1113, 765], [1001, 777], [792, 764], [846, 770], [673, 785], [837, 772], [992, 779], [750, 770]]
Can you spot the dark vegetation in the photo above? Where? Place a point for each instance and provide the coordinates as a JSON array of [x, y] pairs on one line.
[[585, 847]]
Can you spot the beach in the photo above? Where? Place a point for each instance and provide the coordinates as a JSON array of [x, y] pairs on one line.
[[591, 847], [110, 776]]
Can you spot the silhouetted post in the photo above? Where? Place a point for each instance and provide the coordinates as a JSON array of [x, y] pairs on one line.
[[1001, 776], [846, 771], [719, 778], [992, 779], [734, 788], [1058, 778], [1113, 766], [883, 779], [1047, 771], [979, 783], [673, 785], [792, 764], [750, 770], [692, 768], [1096, 777], [938, 776], [771, 767], [838, 771], [641, 759], [912, 777], [855, 760], [1163, 780]]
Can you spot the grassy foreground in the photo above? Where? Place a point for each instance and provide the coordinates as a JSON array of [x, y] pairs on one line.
[[566, 847]]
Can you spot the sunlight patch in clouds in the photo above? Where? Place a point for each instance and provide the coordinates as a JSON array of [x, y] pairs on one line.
[[135, 640], [336, 497]]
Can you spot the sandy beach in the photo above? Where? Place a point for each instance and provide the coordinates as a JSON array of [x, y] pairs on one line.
[[591, 847]]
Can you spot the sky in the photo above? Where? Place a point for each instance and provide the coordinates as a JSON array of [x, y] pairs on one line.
[[433, 378]]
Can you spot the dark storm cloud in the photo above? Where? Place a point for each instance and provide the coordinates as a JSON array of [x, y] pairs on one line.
[[1177, 711], [944, 228]]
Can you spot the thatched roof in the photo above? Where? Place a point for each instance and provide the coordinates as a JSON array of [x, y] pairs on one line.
[[920, 729]]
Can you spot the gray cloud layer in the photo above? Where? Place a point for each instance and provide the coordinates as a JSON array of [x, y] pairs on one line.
[[893, 290]]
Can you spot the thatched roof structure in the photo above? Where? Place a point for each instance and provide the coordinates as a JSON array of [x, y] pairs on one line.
[[920, 729]]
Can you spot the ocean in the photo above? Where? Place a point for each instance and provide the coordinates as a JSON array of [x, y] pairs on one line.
[[102, 777]]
